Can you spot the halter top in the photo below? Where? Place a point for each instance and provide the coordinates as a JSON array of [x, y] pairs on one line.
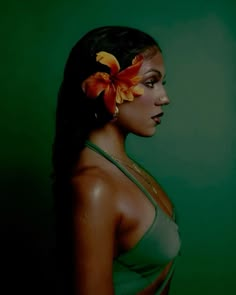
[[137, 268]]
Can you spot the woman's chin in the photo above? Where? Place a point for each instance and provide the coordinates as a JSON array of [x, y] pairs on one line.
[[146, 133]]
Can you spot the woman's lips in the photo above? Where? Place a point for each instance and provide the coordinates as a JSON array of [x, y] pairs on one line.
[[157, 118]]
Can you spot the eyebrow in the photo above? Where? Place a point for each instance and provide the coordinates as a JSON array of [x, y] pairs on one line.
[[156, 71]]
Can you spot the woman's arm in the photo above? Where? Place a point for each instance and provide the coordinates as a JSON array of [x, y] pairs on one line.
[[95, 220]]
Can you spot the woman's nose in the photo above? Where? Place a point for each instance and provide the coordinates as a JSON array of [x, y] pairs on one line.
[[163, 100]]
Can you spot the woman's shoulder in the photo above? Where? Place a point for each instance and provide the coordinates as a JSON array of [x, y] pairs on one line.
[[94, 185]]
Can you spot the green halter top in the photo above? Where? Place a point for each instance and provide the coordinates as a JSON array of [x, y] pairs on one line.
[[137, 268]]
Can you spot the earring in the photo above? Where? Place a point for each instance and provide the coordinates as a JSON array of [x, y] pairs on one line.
[[115, 115], [95, 115]]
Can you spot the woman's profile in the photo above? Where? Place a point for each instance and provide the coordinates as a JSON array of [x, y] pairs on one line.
[[116, 226]]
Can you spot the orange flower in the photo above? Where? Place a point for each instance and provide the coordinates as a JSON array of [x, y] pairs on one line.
[[117, 86]]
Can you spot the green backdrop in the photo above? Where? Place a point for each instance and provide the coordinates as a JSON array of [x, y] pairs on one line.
[[192, 155]]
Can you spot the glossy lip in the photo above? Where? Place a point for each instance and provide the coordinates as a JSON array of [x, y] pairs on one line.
[[157, 118]]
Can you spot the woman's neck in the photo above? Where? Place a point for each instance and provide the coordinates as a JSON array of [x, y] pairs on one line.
[[111, 139]]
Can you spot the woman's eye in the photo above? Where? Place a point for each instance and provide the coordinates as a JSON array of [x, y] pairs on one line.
[[150, 83]]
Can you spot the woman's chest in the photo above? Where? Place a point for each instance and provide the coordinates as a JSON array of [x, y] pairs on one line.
[[138, 210]]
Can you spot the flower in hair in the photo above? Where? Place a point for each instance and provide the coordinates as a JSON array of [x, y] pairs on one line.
[[118, 85]]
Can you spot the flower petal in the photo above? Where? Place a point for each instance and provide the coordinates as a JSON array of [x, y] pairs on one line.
[[137, 90], [95, 84], [131, 72], [124, 85], [120, 95], [109, 60], [110, 98], [129, 95], [136, 80], [138, 58]]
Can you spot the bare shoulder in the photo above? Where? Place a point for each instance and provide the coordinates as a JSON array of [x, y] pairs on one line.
[[94, 185]]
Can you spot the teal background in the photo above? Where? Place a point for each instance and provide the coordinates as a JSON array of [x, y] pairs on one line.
[[192, 155]]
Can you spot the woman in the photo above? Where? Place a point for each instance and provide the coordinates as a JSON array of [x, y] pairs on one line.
[[116, 222]]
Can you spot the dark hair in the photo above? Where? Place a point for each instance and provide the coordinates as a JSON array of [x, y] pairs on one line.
[[75, 119], [75, 116]]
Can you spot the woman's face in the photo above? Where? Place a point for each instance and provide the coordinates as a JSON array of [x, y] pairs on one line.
[[142, 115]]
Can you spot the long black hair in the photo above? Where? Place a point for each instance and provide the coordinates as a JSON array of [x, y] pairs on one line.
[[75, 116], [75, 119]]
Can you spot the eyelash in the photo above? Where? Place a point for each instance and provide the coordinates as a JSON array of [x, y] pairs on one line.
[[152, 82]]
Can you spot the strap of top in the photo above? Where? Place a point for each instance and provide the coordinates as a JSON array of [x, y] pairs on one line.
[[174, 217], [98, 150]]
